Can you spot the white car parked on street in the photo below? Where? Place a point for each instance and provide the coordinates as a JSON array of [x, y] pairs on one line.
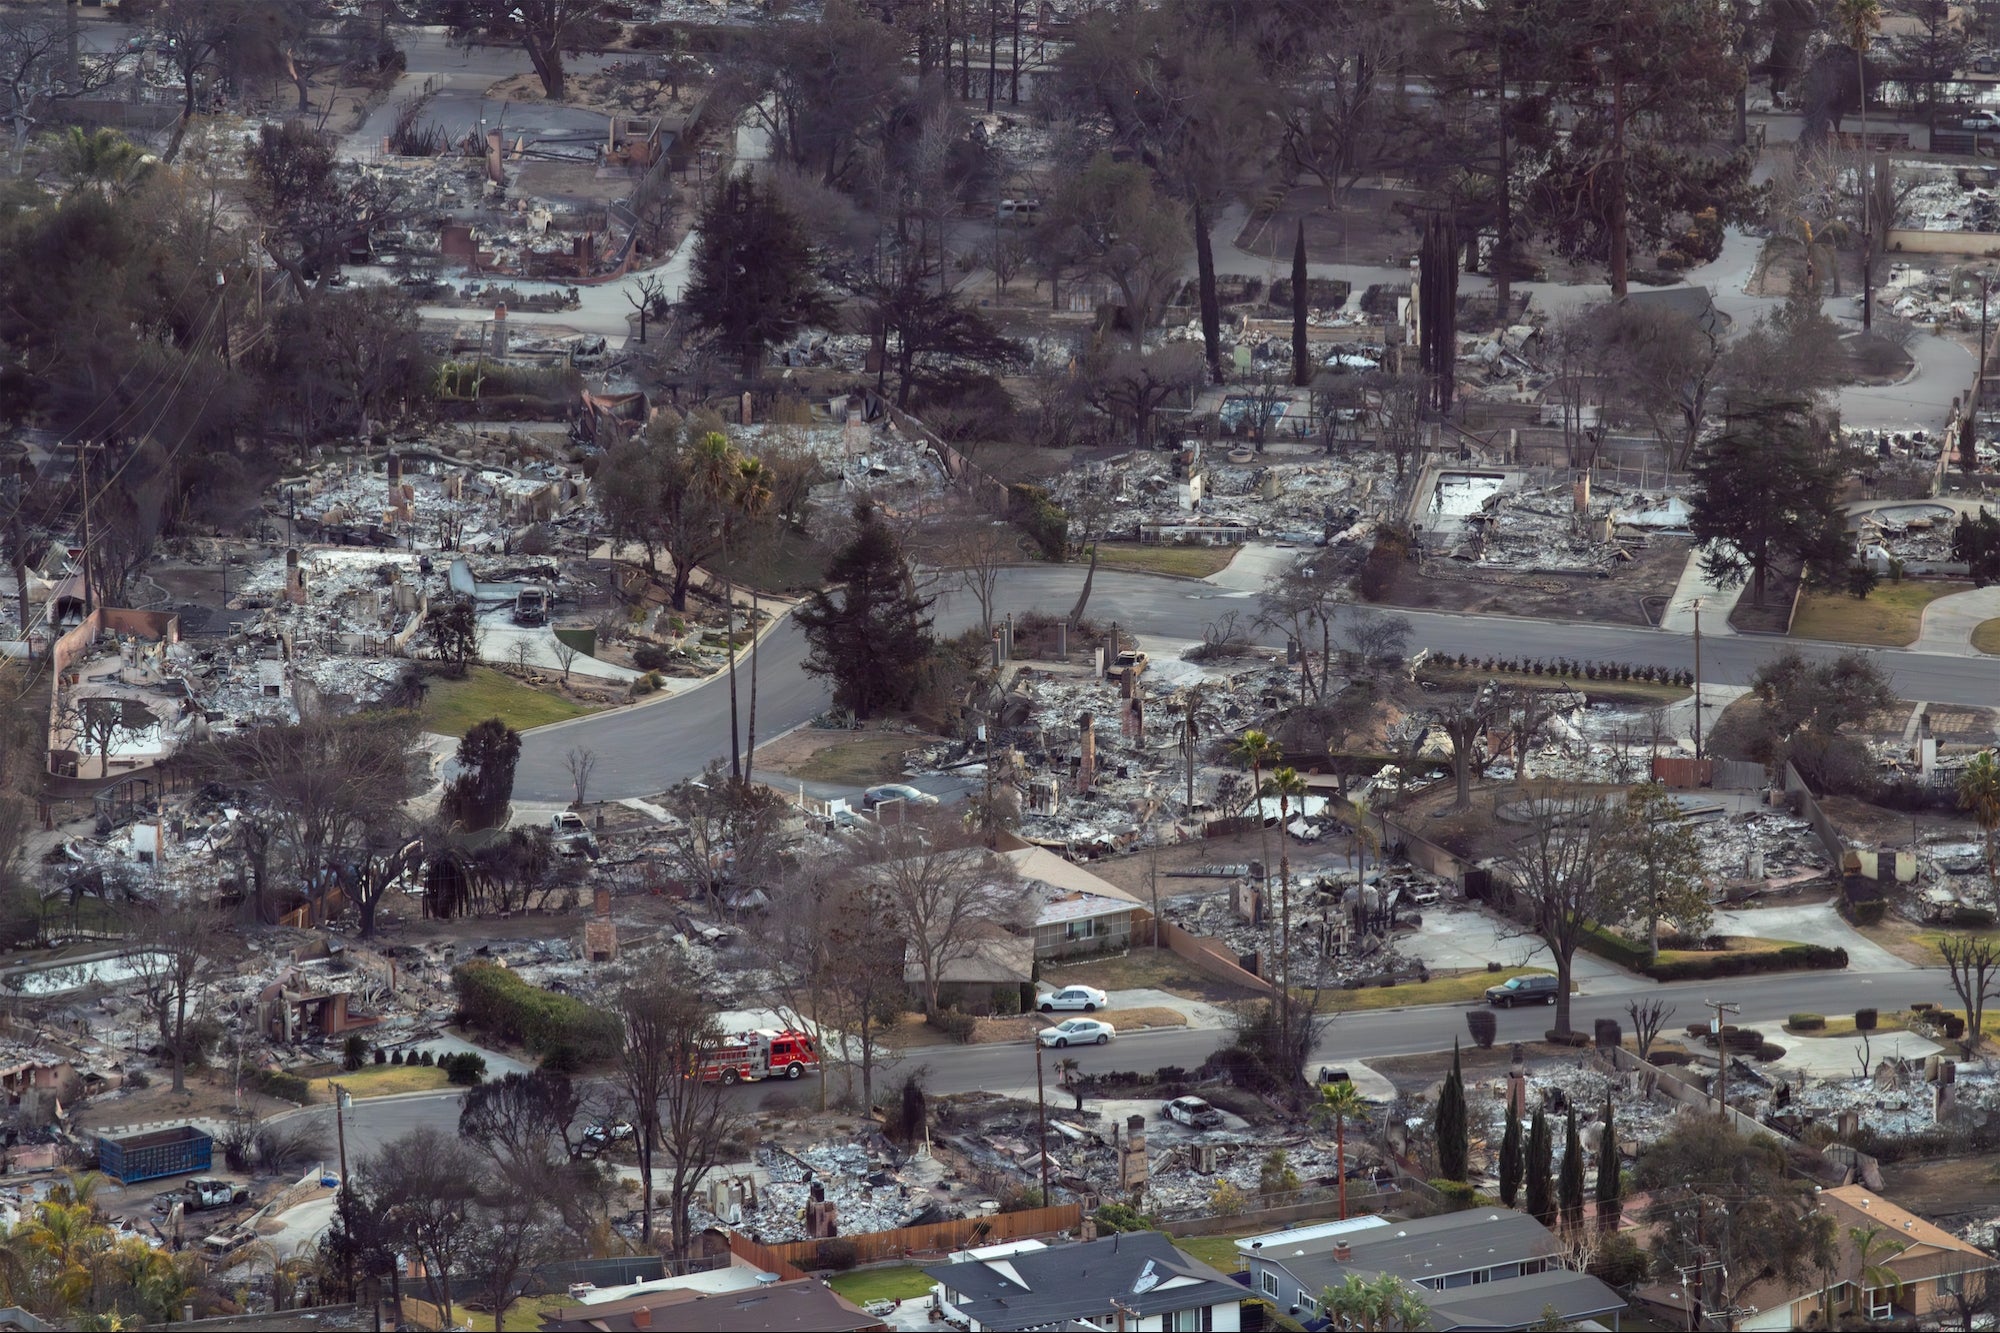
[[1078, 1032], [1087, 998]]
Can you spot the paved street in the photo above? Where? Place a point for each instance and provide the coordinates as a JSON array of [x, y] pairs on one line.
[[1010, 1067], [644, 750]]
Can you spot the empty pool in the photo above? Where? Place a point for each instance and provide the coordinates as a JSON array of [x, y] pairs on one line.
[[1462, 494]]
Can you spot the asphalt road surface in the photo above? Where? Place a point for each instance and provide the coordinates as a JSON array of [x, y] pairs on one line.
[[646, 749], [1010, 1067]]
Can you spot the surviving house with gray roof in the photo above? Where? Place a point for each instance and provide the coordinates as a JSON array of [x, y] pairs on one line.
[[1135, 1281], [1487, 1268]]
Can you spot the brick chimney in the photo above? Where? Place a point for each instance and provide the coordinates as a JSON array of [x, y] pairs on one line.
[[1342, 1251], [500, 329], [1086, 772], [601, 901], [642, 1317]]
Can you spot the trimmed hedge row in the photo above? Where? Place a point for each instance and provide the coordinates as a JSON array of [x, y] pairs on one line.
[[1615, 948], [493, 999], [1793, 957], [1806, 1022]]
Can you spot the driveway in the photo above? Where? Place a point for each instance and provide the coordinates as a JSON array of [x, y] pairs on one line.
[[1812, 923], [1949, 621]]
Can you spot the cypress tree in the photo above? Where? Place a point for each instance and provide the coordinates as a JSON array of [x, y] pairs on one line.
[[1572, 1176], [1453, 1147], [1541, 1203], [1301, 358], [1510, 1157], [870, 634], [1609, 1184]]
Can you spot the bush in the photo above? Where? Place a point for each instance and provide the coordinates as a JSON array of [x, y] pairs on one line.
[[426, 1059], [396, 1058], [958, 1026], [563, 1060], [1619, 1261], [1484, 1025], [138, 1078], [837, 1254], [1978, 918], [1770, 1050], [1378, 573], [1793, 957], [288, 1087], [1608, 1033], [354, 1052], [1030, 509], [1115, 1217], [1806, 1022], [1007, 1002], [1615, 948], [493, 999], [465, 1069], [1458, 1195], [1954, 1026], [1555, 1038], [1868, 912], [381, 1056], [1864, 1020], [651, 657]]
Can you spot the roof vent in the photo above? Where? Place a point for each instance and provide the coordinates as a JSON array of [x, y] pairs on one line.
[[768, 1279]]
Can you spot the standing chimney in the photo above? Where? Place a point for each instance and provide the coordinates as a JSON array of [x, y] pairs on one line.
[[1087, 748], [1342, 1252], [500, 329]]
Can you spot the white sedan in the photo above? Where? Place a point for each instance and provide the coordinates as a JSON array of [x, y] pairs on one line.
[[1078, 1032], [1087, 998]]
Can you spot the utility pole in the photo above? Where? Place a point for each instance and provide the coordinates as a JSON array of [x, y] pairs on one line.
[[83, 484], [1697, 680], [1721, 1054], [1042, 1119], [342, 1099]]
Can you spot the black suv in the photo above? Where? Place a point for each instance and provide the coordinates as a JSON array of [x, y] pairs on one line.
[[1522, 990]]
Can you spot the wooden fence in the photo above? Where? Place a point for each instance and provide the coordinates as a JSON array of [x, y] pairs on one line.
[[938, 1238], [764, 1257]]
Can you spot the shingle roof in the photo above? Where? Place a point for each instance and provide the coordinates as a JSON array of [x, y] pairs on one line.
[[1421, 1248], [1521, 1302], [1140, 1270]]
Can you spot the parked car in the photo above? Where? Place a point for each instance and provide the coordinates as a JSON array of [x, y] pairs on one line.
[[1079, 1032], [1983, 121], [1087, 998], [1130, 662], [1522, 990], [1194, 1113], [896, 791]]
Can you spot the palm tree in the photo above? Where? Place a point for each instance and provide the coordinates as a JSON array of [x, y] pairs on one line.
[[1285, 784], [715, 469], [1068, 1070], [1355, 1303], [1255, 750], [1872, 1244], [1340, 1103], [1979, 792], [1857, 22], [101, 159], [1192, 728], [1401, 1309]]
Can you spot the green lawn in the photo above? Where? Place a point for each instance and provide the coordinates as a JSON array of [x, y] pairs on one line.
[[1731, 944], [1986, 637], [895, 1282], [861, 761], [378, 1080], [1194, 562], [1889, 617], [1892, 1020], [1606, 691], [1218, 1252], [1455, 988], [454, 707]]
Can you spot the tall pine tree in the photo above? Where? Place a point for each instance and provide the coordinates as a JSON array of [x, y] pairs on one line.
[[1510, 1157], [1571, 1199], [752, 283], [1453, 1147], [1610, 1187], [1541, 1153], [870, 634]]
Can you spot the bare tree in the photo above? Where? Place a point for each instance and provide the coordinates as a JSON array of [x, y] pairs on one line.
[[1555, 867], [728, 833], [566, 655], [41, 66], [1376, 637], [1648, 1017], [546, 29], [839, 966], [581, 764], [512, 1232], [648, 296], [1465, 723], [426, 1184], [982, 552], [670, 1031], [180, 957], [1974, 964], [1301, 601], [1668, 365], [941, 890]]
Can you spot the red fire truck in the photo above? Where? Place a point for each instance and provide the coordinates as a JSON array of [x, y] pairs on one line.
[[746, 1057]]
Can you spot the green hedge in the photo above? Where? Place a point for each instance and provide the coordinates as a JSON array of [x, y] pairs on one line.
[[1806, 1022], [290, 1087], [1867, 912], [1793, 957], [1615, 948], [493, 999]]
